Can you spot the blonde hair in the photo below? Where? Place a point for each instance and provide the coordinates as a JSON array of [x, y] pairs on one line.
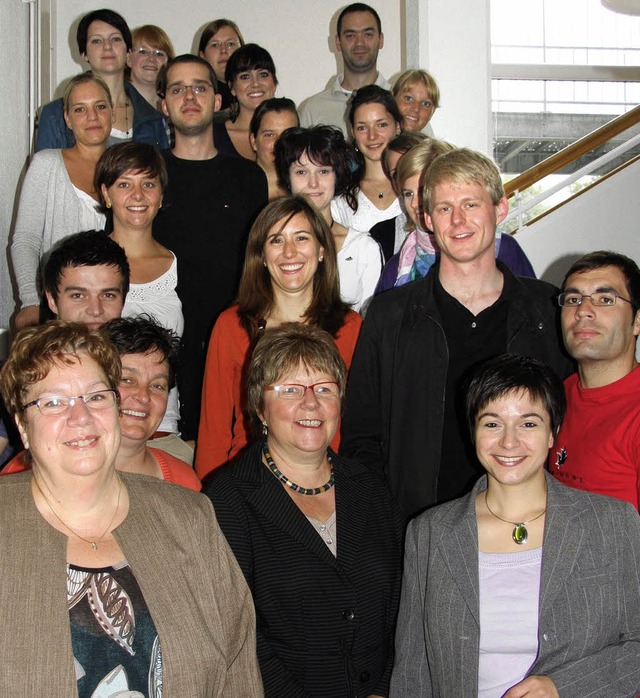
[[411, 77]]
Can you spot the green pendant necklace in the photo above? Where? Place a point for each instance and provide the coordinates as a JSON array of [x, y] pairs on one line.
[[519, 533]]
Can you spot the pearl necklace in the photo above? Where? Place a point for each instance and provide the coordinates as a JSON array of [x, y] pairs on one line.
[[292, 485]]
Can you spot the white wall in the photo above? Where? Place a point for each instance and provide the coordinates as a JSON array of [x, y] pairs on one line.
[[299, 34], [14, 128]]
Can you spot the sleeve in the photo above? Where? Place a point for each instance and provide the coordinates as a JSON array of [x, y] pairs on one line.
[[361, 434], [26, 248], [52, 131], [219, 410], [235, 607], [614, 671], [231, 513], [304, 113], [411, 675]]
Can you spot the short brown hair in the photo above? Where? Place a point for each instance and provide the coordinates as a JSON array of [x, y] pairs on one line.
[[411, 77], [459, 166], [280, 351], [35, 350], [154, 36], [83, 79]]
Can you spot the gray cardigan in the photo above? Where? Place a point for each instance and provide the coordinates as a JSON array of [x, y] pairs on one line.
[[49, 210], [589, 615]]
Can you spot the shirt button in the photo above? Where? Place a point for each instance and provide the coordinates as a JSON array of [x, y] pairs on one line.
[[474, 325], [364, 676], [348, 614], [329, 542], [549, 637], [323, 527]]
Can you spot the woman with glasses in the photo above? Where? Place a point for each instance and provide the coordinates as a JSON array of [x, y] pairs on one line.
[[251, 76], [315, 534], [152, 48], [218, 41], [99, 565], [104, 42], [290, 275]]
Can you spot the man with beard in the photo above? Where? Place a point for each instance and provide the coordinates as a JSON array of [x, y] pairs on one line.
[[359, 37], [208, 209]]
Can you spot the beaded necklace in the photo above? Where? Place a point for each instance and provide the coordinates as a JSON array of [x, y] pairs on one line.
[[292, 485]]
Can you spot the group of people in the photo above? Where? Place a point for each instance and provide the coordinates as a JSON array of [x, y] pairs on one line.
[[320, 301]]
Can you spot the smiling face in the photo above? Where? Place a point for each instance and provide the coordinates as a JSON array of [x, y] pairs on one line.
[[513, 436], [412, 200], [307, 424], [604, 336], [373, 128], [80, 442], [219, 49], [292, 254], [135, 198], [359, 41], [252, 87], [272, 125], [91, 295], [106, 50], [464, 219], [145, 68], [144, 391], [416, 106], [317, 183], [190, 114], [89, 114]]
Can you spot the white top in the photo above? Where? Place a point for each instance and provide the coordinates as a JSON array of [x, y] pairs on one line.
[[359, 266], [158, 299], [367, 214], [509, 600], [50, 209]]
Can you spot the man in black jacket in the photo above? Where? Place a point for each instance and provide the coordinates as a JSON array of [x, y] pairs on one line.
[[420, 342]]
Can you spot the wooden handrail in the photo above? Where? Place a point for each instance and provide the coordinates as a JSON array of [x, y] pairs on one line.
[[572, 152]]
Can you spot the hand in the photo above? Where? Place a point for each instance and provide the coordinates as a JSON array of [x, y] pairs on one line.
[[27, 316], [533, 687]]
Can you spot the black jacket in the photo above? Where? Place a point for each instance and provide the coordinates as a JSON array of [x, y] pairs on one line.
[[325, 625], [396, 390]]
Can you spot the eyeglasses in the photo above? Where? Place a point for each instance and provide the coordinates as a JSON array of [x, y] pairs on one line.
[[147, 52], [604, 299], [61, 404], [197, 89], [295, 391], [230, 45]]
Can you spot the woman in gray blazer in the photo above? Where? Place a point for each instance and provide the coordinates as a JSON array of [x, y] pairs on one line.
[[524, 587]]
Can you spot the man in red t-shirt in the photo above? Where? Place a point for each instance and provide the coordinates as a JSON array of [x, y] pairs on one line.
[[598, 447]]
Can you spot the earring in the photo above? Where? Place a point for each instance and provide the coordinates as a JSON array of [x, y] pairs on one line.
[[108, 204], [264, 264], [321, 258], [265, 430]]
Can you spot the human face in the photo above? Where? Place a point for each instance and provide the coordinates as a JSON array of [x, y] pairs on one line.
[[89, 114], [411, 195], [144, 390], [135, 197], [106, 50], [373, 128], [513, 436], [305, 425], [252, 87], [603, 335], [317, 183], [190, 114], [464, 218], [271, 127], [217, 52], [80, 442], [416, 107], [145, 69], [291, 254], [91, 295], [359, 42]]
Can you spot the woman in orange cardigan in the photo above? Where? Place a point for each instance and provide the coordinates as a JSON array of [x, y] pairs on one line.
[[290, 275]]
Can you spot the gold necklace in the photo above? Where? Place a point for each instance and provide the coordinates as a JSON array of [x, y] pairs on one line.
[[92, 543], [519, 533]]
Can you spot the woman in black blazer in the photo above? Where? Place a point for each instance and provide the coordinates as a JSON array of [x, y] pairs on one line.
[[315, 534]]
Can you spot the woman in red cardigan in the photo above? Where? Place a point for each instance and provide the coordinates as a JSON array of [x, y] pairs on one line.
[[290, 275]]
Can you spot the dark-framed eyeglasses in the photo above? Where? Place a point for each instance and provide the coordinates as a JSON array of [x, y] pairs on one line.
[[295, 391], [197, 89], [61, 404], [602, 299]]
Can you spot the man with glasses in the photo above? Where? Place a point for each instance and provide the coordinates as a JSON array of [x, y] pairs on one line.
[[208, 208], [598, 447]]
